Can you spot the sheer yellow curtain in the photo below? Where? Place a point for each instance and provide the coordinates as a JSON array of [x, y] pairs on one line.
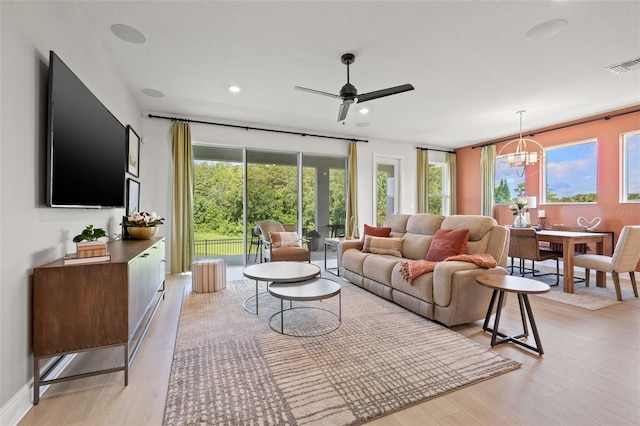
[[351, 229], [488, 169], [422, 186], [450, 158], [183, 182]]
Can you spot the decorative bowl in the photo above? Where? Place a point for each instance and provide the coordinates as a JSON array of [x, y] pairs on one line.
[[142, 232]]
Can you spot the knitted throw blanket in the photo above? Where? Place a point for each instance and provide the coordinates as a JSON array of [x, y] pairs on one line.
[[412, 269]]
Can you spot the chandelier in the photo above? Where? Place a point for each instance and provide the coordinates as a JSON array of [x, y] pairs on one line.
[[527, 153]]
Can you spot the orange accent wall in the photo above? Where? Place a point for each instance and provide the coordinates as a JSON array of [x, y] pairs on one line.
[[614, 215]]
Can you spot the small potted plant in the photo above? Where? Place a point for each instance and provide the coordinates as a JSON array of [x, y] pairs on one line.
[[87, 244], [142, 225]]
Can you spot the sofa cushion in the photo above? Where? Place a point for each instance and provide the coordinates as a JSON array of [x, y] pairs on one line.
[[285, 239], [478, 225], [397, 222], [415, 246], [447, 242], [380, 245], [424, 223], [378, 267], [421, 287], [374, 231]]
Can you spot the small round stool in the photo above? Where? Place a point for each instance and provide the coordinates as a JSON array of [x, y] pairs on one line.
[[208, 275]]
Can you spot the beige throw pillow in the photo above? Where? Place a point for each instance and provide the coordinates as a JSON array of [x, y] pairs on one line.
[[284, 239], [383, 245]]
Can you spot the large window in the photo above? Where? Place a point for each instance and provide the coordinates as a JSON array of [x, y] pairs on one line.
[[630, 184], [571, 173], [304, 191], [506, 186], [438, 189]]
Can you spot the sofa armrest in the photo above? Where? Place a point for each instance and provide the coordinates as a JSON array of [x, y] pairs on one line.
[[465, 271], [344, 246]]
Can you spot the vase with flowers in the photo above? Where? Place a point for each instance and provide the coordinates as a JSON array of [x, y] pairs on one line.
[[142, 225], [517, 207]]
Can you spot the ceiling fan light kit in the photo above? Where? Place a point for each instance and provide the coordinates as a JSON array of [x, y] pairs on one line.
[[349, 94]]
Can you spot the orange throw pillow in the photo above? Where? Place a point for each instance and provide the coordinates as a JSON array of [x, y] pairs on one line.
[[447, 242], [379, 231]]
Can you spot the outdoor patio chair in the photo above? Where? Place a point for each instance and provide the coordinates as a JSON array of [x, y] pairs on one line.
[[280, 244]]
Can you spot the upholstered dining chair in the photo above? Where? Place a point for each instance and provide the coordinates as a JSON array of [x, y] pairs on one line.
[[524, 245], [625, 259], [280, 244]]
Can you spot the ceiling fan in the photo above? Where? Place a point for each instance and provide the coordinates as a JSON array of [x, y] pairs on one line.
[[349, 94]]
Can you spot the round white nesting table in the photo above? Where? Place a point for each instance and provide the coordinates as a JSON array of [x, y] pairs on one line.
[[278, 272], [305, 291]]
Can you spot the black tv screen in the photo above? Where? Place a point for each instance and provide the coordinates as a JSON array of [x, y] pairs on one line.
[[86, 145]]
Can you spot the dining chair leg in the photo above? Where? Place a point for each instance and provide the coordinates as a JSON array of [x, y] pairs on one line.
[[632, 275], [587, 274], [616, 283]]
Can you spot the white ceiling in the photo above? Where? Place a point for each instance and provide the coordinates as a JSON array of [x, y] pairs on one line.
[[471, 62]]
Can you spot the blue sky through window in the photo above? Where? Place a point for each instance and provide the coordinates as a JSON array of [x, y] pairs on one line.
[[572, 170], [632, 163]]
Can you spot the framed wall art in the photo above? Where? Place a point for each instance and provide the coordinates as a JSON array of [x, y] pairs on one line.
[[133, 196], [133, 152]]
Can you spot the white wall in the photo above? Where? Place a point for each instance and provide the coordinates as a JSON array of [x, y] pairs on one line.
[[30, 233]]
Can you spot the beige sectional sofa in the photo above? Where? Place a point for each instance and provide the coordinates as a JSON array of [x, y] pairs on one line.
[[449, 294]]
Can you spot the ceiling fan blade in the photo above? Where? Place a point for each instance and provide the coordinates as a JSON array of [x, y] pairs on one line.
[[384, 92], [344, 108], [317, 92]]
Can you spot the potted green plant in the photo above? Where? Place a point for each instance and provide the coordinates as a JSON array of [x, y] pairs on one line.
[[90, 234], [87, 244]]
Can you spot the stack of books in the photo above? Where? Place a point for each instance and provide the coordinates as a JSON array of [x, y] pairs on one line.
[[89, 252]]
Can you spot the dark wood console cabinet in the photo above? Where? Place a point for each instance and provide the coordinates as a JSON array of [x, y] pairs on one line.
[[96, 305]]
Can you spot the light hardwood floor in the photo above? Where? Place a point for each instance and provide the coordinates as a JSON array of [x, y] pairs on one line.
[[589, 374]]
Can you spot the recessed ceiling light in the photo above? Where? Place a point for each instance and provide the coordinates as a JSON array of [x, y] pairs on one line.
[[234, 88], [546, 29], [153, 93], [364, 111], [128, 33]]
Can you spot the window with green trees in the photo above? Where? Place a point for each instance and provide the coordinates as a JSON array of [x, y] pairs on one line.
[[438, 197], [272, 191], [506, 186]]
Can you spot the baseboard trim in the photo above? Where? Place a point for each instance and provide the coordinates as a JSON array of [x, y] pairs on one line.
[[22, 401]]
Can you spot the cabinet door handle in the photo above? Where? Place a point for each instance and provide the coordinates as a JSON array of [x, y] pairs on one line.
[[145, 255]]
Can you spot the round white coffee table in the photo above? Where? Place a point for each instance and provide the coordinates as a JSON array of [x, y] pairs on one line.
[[278, 272], [305, 291]]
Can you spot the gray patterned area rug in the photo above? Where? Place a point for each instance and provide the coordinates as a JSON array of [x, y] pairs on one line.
[[591, 298], [230, 367]]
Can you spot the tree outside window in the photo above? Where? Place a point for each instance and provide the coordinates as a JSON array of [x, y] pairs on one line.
[[506, 187], [437, 192]]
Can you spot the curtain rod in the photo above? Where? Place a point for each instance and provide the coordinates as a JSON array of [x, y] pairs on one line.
[[258, 128], [432, 149], [591, 120]]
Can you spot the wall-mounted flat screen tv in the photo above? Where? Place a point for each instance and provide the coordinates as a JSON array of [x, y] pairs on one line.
[[86, 145]]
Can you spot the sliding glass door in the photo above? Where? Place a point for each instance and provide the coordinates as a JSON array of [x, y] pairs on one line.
[[237, 188]]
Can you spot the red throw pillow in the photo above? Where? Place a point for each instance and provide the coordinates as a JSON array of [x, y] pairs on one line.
[[380, 231], [447, 242]]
